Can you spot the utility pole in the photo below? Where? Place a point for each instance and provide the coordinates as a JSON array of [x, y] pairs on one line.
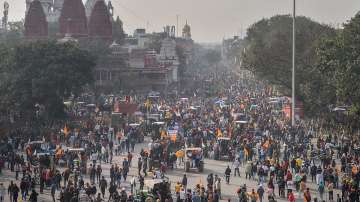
[[293, 67]]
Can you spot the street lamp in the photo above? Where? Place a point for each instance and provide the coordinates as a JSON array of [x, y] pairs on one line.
[[293, 68]]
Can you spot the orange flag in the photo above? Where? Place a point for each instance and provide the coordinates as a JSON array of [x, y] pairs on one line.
[[66, 130]]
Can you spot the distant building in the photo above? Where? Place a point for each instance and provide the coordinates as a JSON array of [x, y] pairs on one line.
[[100, 25], [52, 8], [145, 62], [186, 32], [73, 19], [136, 66], [36, 26]]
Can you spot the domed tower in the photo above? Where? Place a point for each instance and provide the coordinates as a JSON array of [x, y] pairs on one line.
[[186, 32], [100, 25], [73, 19], [36, 26]]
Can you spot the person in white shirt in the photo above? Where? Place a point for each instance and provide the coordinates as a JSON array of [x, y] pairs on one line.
[[182, 194], [133, 184], [236, 166], [94, 157]]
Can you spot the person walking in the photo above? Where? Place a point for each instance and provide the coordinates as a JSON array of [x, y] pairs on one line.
[[129, 157], [248, 170], [24, 189], [103, 186], [92, 173], [330, 188], [321, 190], [112, 190], [145, 166], [10, 190], [218, 187], [227, 175], [141, 182], [236, 165], [184, 181], [313, 170], [260, 192], [98, 173], [133, 184], [140, 165], [15, 193], [53, 191], [307, 195], [66, 175], [291, 196]]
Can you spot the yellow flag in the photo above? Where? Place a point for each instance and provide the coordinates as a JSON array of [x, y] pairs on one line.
[[148, 103]]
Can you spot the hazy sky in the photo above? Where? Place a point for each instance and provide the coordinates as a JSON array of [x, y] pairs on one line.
[[211, 20]]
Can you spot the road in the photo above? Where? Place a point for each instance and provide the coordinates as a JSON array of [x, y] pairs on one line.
[[211, 166]]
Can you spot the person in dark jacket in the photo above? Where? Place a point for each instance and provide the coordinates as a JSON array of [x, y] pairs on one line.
[[103, 186], [33, 196], [15, 193], [184, 181], [227, 174]]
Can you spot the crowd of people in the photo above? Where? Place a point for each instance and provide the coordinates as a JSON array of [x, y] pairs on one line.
[[243, 124]]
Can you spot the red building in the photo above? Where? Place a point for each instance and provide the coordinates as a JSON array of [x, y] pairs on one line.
[[36, 26], [100, 25], [73, 19]]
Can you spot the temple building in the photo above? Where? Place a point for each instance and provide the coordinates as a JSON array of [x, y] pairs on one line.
[[140, 63], [100, 25], [36, 26], [52, 8], [73, 19]]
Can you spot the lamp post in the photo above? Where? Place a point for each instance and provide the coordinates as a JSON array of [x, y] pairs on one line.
[[293, 67]]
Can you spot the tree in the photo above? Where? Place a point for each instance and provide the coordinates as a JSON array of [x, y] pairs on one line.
[[37, 77], [118, 31], [268, 55], [14, 35], [339, 59]]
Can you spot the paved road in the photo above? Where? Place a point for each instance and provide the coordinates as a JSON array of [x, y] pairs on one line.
[[211, 166]]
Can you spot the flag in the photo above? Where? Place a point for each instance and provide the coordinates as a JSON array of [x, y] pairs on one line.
[[266, 144], [66, 130], [148, 103], [219, 133], [163, 134]]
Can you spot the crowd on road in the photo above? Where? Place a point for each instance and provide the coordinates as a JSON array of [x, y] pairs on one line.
[[245, 124]]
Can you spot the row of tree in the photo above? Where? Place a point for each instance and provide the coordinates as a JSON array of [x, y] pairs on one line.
[[36, 78], [327, 60]]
